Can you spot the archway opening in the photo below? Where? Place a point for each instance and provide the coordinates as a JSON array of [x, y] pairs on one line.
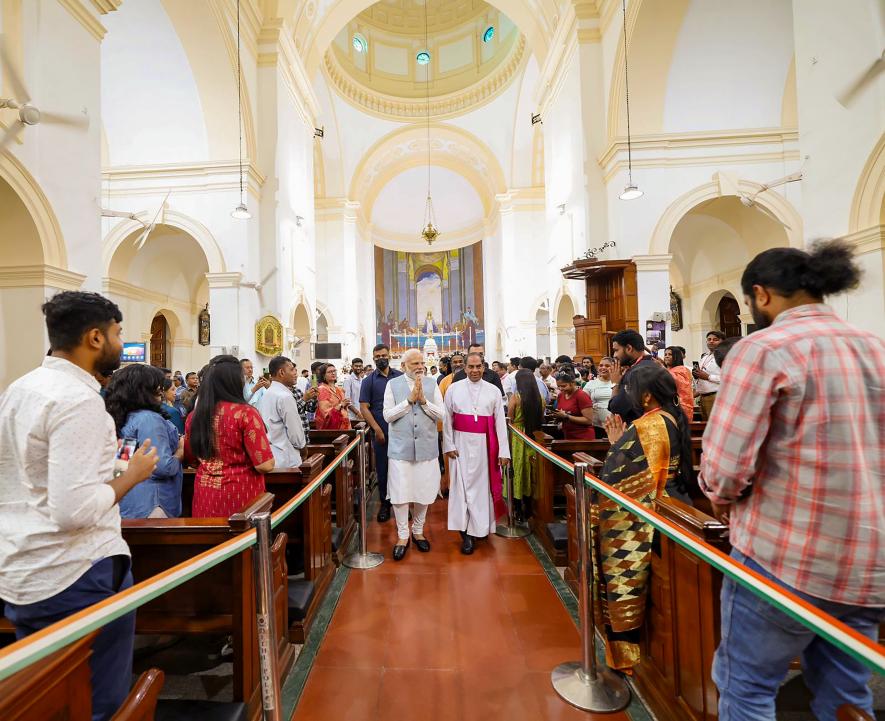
[[565, 327], [711, 245], [542, 331], [23, 292], [322, 328], [301, 341], [728, 313], [161, 289]]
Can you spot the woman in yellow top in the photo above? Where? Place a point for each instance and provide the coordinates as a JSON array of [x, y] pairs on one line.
[[649, 459], [526, 412]]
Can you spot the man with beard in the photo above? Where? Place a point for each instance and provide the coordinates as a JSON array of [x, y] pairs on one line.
[[475, 442], [413, 405], [708, 374], [62, 549], [372, 407], [629, 351], [793, 461]]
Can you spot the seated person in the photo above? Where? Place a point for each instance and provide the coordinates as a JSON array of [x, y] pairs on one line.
[[279, 410], [134, 401]]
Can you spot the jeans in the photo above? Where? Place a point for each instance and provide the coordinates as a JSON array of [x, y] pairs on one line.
[[111, 660], [759, 642]]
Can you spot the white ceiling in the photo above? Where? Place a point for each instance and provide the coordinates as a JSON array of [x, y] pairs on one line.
[[400, 205]]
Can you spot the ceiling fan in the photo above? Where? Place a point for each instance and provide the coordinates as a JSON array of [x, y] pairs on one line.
[[847, 96], [750, 200], [28, 113], [158, 217], [259, 286]]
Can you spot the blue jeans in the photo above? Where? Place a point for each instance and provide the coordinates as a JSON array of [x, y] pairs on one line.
[[759, 642], [111, 661]]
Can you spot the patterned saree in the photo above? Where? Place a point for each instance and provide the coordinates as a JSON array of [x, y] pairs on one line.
[[638, 465]]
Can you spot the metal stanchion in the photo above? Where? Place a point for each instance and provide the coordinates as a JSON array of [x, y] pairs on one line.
[[511, 529], [582, 684], [264, 615], [363, 558]]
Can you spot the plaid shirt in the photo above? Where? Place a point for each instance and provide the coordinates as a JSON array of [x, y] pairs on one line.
[[796, 442], [304, 407]]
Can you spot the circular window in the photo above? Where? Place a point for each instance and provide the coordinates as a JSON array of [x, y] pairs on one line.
[[488, 34], [359, 43], [423, 57]]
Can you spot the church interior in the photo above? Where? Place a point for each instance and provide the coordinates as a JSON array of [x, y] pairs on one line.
[[313, 178]]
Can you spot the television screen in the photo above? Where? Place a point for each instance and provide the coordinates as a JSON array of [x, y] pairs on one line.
[[134, 353]]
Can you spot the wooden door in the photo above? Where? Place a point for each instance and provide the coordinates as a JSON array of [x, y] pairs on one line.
[[730, 317], [159, 340]]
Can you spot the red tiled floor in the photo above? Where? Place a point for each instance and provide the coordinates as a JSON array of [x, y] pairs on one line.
[[444, 637]]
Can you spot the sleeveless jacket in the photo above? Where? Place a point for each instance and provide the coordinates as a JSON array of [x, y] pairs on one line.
[[414, 436]]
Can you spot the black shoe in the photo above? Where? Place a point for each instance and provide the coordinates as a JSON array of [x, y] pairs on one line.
[[422, 544], [467, 545], [383, 513], [399, 552]]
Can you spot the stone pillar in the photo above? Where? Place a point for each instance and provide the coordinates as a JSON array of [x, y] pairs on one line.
[[653, 288]]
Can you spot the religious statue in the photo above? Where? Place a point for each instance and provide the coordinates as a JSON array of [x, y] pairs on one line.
[[203, 323], [675, 310], [429, 325]]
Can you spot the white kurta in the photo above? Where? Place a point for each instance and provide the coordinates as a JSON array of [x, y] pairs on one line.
[[470, 498], [412, 481]]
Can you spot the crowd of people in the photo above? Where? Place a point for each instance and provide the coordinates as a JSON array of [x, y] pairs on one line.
[[791, 463]]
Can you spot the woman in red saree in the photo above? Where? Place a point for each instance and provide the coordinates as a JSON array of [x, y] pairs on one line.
[[674, 362], [332, 404], [226, 436]]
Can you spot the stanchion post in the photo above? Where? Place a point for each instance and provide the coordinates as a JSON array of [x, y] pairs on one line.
[[363, 559], [512, 529], [582, 684], [262, 566]]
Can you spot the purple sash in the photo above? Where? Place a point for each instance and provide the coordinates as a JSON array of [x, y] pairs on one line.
[[485, 425]]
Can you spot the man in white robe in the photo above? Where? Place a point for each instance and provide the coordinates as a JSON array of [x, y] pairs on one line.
[[475, 441], [412, 406]]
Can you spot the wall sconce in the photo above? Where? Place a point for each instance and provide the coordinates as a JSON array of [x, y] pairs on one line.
[[319, 132], [536, 118]]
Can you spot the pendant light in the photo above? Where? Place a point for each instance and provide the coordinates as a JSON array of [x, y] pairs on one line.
[[241, 212], [429, 233], [631, 191]]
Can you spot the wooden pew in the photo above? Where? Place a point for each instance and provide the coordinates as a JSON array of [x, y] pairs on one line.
[[218, 601], [309, 530], [141, 704], [56, 687], [344, 490]]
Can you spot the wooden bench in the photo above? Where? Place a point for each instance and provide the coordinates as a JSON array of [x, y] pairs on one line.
[[218, 601]]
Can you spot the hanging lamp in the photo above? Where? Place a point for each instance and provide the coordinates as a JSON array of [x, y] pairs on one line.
[[241, 212], [429, 233], [631, 191]]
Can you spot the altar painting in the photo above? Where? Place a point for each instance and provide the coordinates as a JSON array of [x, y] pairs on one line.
[[430, 301]]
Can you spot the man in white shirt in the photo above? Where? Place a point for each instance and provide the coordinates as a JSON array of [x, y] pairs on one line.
[[61, 549], [352, 384], [278, 408], [708, 375]]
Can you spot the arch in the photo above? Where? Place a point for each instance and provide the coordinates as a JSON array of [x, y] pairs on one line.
[[301, 323], [782, 209], [710, 309], [542, 331], [319, 30], [194, 228], [39, 208], [868, 204], [406, 148]]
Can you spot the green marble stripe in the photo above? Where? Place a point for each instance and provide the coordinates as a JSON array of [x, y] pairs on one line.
[[293, 685], [636, 710]]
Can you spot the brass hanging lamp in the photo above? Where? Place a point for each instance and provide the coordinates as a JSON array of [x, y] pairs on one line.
[[430, 232]]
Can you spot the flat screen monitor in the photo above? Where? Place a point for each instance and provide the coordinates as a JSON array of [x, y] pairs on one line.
[[134, 353]]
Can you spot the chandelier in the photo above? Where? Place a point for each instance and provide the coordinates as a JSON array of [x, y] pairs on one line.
[[241, 212], [430, 232], [631, 190]]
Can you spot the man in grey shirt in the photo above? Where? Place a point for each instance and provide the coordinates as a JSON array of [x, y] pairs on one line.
[[279, 410]]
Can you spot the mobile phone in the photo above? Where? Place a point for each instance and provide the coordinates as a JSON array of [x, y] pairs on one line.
[[313, 381], [266, 373], [124, 453], [696, 365]]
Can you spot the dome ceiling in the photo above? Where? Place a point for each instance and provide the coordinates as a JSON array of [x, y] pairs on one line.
[[475, 51]]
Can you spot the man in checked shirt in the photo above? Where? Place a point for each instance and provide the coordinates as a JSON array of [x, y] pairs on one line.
[[793, 460]]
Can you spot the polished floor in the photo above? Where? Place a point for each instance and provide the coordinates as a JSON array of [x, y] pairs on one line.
[[444, 637]]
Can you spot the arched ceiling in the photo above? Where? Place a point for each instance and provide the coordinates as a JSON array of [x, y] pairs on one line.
[[372, 61]]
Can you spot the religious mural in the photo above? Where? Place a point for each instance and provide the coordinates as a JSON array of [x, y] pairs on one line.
[[432, 301]]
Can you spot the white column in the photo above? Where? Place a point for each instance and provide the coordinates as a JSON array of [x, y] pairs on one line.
[[653, 288], [224, 313]]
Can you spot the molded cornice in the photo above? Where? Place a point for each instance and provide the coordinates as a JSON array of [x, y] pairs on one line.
[[84, 16]]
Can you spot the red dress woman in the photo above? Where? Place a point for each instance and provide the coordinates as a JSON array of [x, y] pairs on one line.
[[332, 404], [227, 436]]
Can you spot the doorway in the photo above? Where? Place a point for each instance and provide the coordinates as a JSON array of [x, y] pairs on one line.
[[160, 341], [729, 313]]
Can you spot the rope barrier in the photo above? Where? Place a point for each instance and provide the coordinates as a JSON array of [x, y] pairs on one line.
[[844, 637], [22, 654]]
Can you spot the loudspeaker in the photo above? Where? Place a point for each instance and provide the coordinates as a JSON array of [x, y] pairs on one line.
[[327, 351]]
